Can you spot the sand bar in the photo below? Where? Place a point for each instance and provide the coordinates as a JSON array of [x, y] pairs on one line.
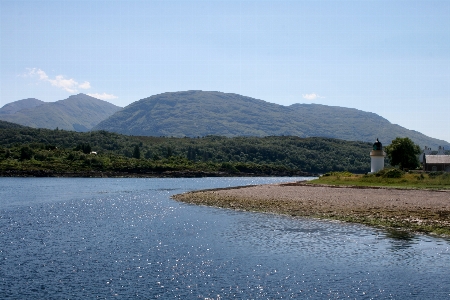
[[416, 210]]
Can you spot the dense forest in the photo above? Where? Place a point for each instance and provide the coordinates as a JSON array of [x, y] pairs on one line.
[[25, 148]]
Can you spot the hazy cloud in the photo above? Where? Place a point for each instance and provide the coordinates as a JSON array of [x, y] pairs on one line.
[[85, 85], [70, 85], [40, 73], [311, 96], [103, 96]]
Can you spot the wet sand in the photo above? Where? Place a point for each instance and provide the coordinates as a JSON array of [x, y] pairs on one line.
[[415, 210]]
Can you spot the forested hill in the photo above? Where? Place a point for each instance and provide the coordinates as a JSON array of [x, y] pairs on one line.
[[62, 148], [78, 112], [8, 125], [200, 113]]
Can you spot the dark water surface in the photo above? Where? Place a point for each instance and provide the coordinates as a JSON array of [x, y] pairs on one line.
[[125, 238]]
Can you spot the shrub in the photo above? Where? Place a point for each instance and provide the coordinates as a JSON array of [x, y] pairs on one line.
[[339, 174], [435, 174], [226, 166], [392, 173], [40, 156]]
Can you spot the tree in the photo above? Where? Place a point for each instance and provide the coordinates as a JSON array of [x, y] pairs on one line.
[[169, 152], [137, 152], [86, 148], [26, 153], [404, 153]]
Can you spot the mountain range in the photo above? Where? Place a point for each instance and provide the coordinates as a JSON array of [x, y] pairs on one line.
[[203, 113], [78, 112]]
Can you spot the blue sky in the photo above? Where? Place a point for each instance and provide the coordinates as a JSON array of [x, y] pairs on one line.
[[387, 57]]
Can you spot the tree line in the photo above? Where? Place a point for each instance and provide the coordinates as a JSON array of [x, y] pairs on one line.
[[21, 147]]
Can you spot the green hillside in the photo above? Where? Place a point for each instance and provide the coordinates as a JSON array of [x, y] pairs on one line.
[[199, 113], [79, 112], [8, 125], [238, 154]]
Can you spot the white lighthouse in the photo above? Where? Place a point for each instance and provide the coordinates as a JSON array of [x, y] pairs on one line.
[[377, 157]]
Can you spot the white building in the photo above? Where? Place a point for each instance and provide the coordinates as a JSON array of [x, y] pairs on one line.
[[426, 151], [377, 157]]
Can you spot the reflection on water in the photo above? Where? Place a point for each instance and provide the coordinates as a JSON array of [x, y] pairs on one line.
[[400, 239], [125, 238]]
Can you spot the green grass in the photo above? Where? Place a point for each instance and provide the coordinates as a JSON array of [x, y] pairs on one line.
[[388, 178]]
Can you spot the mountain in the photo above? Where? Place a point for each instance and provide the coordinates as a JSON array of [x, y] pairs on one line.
[[356, 125], [201, 113], [13, 107], [78, 112], [197, 113]]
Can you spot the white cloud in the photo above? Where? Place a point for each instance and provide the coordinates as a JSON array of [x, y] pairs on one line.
[[69, 85], [31, 72], [103, 96], [42, 75], [85, 85], [311, 96]]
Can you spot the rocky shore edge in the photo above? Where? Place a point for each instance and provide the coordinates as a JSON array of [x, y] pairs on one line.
[[424, 211]]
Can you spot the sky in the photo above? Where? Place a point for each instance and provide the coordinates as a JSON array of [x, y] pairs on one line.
[[389, 57]]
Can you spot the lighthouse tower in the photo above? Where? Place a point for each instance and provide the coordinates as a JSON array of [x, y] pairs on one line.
[[377, 157]]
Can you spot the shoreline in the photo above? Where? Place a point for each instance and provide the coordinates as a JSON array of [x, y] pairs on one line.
[[146, 174], [414, 210]]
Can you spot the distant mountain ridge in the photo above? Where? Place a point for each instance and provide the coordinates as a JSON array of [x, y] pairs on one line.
[[13, 107], [78, 112], [202, 113]]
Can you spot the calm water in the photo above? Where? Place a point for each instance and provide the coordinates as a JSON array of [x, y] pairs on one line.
[[125, 238]]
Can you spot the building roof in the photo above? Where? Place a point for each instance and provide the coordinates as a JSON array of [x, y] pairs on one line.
[[437, 159]]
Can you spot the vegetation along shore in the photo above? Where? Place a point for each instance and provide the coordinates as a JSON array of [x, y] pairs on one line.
[[390, 203], [44, 152]]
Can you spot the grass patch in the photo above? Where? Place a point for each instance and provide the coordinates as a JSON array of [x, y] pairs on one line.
[[388, 178]]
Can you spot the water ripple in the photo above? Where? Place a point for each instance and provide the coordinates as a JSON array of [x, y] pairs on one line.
[[127, 238]]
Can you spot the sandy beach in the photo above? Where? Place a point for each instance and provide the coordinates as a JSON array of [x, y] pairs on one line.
[[416, 210]]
